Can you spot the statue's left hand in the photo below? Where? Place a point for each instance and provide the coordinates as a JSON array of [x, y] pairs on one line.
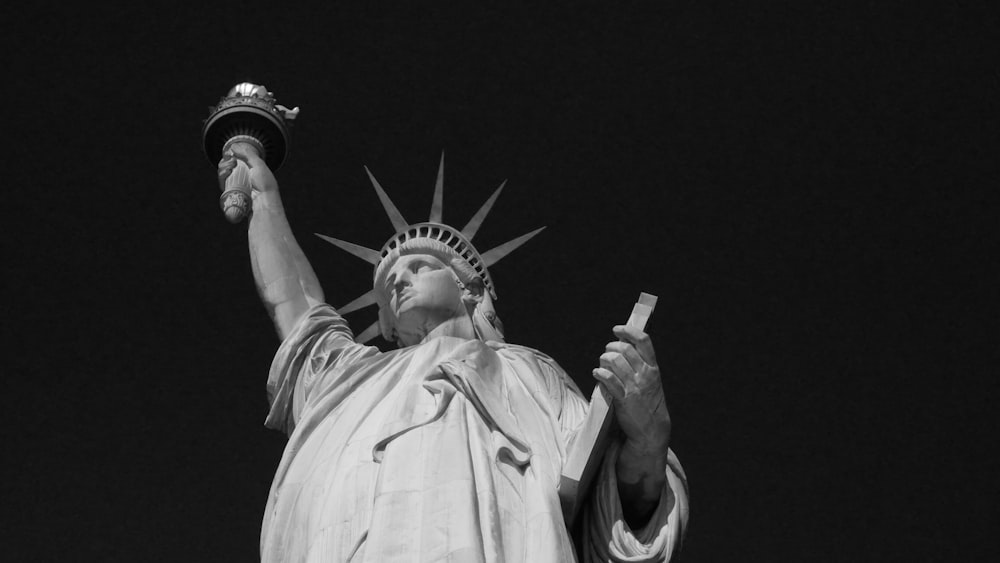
[[629, 372]]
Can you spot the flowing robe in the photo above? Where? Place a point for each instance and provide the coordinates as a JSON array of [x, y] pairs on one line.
[[449, 450]]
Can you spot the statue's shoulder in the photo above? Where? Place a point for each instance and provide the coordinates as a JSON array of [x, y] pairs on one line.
[[526, 352], [555, 377]]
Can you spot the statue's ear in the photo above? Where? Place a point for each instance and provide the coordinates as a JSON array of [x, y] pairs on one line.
[[473, 292]]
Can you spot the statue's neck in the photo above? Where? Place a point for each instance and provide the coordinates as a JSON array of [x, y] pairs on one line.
[[458, 327]]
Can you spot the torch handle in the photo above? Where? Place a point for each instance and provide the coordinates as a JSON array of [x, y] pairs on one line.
[[236, 201]]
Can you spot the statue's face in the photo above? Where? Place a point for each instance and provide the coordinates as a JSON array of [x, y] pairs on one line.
[[420, 290]]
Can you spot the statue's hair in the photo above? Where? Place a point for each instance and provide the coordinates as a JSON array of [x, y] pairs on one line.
[[484, 317]]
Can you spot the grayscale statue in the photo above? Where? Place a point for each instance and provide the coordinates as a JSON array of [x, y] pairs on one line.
[[451, 447]]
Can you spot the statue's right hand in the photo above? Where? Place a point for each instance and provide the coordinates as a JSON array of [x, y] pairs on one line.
[[261, 177], [226, 167]]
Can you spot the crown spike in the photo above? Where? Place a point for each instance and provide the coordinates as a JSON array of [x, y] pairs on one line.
[[371, 332], [361, 302], [437, 207], [493, 256], [366, 254], [395, 216], [473, 225]]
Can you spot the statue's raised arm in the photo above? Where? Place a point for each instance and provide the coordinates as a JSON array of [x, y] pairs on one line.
[[284, 277]]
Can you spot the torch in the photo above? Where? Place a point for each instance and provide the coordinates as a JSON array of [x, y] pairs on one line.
[[248, 114]]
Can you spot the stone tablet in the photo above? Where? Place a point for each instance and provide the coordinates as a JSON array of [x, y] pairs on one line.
[[593, 438]]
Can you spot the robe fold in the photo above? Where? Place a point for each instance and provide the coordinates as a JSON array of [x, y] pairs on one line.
[[450, 450]]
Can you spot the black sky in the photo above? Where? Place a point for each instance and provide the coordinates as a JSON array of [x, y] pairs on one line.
[[808, 187]]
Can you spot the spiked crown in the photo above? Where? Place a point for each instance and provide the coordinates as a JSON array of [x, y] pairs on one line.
[[433, 237]]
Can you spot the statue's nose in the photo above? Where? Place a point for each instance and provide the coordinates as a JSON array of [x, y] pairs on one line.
[[402, 282]]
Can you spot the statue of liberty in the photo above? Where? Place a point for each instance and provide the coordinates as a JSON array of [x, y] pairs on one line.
[[450, 447]]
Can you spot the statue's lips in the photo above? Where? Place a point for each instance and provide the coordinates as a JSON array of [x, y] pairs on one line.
[[402, 297]]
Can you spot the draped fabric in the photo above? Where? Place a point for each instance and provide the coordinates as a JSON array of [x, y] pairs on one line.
[[449, 450]]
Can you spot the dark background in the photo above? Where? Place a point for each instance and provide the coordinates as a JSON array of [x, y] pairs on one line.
[[808, 187]]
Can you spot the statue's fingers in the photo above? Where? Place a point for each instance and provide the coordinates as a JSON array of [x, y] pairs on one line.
[[617, 364], [611, 382], [226, 168], [632, 335], [242, 154], [639, 339], [227, 161], [238, 150], [629, 352], [224, 174], [610, 361]]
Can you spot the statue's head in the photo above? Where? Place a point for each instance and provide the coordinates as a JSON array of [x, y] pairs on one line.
[[429, 273], [423, 282]]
